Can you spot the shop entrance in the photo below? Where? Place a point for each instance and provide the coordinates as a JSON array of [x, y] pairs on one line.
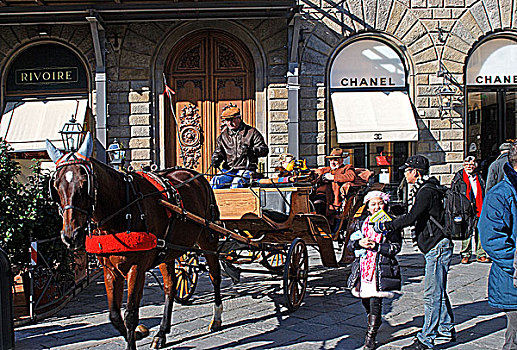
[[208, 70], [491, 119]]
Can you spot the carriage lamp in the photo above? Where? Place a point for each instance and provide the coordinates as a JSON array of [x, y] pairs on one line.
[[116, 154], [72, 134]]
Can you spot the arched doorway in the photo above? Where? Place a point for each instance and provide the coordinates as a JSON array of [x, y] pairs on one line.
[[208, 69]]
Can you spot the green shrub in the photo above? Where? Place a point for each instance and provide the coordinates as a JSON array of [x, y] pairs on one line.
[[27, 214]]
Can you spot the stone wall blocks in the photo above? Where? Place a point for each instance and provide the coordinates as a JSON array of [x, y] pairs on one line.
[[81, 33], [308, 104], [453, 67], [275, 41], [406, 23], [140, 85], [322, 126], [423, 147], [492, 8], [425, 56], [276, 93], [135, 96], [308, 127], [119, 108], [311, 138], [458, 44], [278, 127], [453, 55], [478, 12], [140, 164], [277, 116], [119, 131], [370, 12], [278, 139], [321, 115], [383, 14], [454, 3], [457, 145], [140, 154], [137, 43], [446, 179], [112, 98], [451, 135], [441, 169], [312, 56], [397, 13], [143, 119], [442, 146], [455, 167], [319, 45], [278, 70], [308, 150], [420, 44], [140, 108], [422, 102], [278, 105], [429, 67], [423, 79], [131, 59], [418, 3], [309, 92], [134, 73], [278, 56], [453, 157], [148, 30], [440, 13], [435, 102], [435, 3], [356, 10], [118, 86], [141, 131], [140, 142]]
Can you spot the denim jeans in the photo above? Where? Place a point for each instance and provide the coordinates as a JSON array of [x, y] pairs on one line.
[[438, 317], [234, 178]]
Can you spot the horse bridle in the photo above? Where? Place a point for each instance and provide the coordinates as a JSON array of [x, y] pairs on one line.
[[87, 167]]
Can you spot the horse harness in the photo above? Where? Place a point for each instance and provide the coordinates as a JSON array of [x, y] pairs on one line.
[[127, 241]]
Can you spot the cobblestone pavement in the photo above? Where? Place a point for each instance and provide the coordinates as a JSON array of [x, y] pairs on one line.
[[254, 316]]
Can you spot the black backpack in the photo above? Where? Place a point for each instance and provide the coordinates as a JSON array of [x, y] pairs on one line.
[[459, 214]]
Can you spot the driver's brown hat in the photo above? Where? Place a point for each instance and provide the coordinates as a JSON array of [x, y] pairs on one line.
[[337, 153], [230, 112]]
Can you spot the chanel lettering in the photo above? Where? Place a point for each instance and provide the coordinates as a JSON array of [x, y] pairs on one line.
[[496, 79], [378, 81]]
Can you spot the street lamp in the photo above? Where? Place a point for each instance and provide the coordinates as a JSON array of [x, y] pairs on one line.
[[72, 134], [116, 154]]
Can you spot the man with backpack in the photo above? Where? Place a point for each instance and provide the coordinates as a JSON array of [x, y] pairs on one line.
[[498, 230], [427, 214], [472, 186]]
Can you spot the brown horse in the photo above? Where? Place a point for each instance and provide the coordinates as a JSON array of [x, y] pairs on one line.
[[92, 193]]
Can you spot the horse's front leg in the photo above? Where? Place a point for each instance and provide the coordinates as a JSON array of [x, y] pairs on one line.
[[215, 276], [169, 288], [135, 287], [114, 283]]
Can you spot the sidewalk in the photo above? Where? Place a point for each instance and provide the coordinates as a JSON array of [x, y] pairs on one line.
[[254, 316]]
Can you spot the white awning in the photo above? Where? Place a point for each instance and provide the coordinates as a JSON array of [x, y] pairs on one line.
[[373, 116], [25, 125]]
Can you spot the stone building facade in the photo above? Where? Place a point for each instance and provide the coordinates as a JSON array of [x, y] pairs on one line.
[[290, 58]]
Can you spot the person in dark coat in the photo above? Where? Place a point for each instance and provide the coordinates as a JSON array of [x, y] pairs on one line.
[[498, 231], [237, 149], [426, 198], [495, 170], [472, 185], [377, 272]]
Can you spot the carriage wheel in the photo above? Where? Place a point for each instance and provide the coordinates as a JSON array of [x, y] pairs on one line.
[[274, 261], [186, 267], [296, 271]]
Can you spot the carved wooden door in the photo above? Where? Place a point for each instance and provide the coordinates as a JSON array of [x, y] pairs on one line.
[[207, 71]]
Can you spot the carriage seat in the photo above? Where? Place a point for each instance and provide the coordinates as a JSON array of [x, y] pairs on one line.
[[275, 204]]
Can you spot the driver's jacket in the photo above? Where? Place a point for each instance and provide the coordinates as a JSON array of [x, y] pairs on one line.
[[239, 150]]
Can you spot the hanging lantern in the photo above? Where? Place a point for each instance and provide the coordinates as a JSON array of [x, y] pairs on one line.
[[72, 134], [116, 154]]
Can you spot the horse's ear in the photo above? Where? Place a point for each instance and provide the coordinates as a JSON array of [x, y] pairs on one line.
[[52, 151], [86, 148]]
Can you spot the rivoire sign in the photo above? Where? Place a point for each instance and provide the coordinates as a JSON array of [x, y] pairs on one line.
[[42, 76]]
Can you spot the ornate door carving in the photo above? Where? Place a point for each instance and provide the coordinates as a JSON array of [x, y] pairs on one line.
[[207, 70]]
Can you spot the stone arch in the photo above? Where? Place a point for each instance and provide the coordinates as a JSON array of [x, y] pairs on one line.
[[475, 25], [75, 38], [176, 34]]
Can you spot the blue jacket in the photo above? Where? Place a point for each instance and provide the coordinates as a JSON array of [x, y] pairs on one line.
[[498, 233]]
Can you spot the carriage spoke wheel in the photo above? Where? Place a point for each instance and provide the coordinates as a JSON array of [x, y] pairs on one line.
[[296, 271], [274, 261], [187, 267]]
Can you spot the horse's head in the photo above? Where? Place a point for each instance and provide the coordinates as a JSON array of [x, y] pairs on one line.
[[73, 188]]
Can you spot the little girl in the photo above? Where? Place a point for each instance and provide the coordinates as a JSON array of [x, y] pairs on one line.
[[375, 272]]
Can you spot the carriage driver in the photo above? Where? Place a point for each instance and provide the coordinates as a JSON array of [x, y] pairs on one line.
[[237, 148]]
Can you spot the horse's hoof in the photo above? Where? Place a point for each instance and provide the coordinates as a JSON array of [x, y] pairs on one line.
[[158, 343], [141, 332], [215, 326]]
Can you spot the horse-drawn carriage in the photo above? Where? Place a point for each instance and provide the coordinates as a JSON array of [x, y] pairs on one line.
[[136, 221], [278, 224]]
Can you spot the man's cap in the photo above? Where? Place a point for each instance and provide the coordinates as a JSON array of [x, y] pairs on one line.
[[284, 156], [337, 153], [230, 111], [505, 146], [416, 162]]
